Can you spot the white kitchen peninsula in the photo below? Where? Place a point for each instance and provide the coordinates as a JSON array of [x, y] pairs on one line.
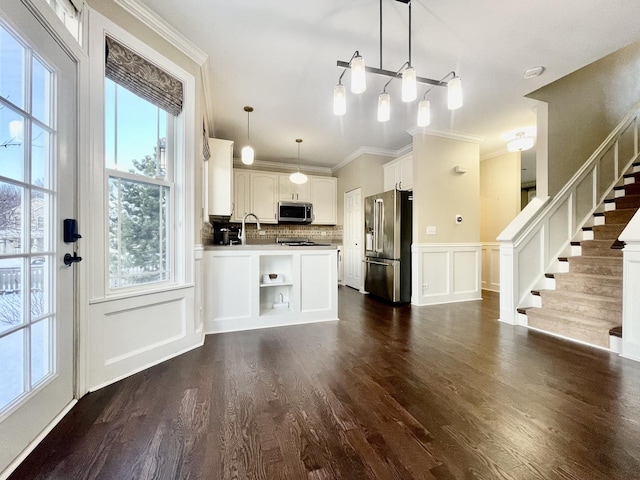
[[240, 294]]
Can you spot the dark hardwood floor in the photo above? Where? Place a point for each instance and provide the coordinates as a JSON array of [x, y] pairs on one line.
[[442, 392]]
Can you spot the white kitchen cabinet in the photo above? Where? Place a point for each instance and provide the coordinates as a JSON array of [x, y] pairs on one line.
[[324, 192], [289, 191], [255, 192], [219, 178], [264, 196], [237, 297], [241, 194], [398, 174]]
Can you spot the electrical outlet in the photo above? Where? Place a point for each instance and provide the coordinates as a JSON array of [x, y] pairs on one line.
[[262, 233], [425, 286], [458, 218], [323, 234], [431, 230]]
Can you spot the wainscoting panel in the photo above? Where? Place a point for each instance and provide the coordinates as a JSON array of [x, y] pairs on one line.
[[127, 335], [491, 266], [445, 273]]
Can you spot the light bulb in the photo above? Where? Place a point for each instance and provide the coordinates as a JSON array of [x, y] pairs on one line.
[[339, 100], [454, 93], [409, 91], [358, 78], [424, 113], [247, 155], [384, 107]]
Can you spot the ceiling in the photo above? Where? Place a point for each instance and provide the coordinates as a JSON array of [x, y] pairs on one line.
[[279, 56]]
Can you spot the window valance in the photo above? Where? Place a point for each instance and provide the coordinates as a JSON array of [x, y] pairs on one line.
[[143, 78]]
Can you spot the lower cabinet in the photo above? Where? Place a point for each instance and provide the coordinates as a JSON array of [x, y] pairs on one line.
[[247, 289]]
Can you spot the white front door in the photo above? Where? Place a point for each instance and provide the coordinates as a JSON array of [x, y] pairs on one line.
[[37, 191], [353, 238]]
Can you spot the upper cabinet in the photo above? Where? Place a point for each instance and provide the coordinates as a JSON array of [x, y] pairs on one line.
[[289, 191], [219, 187], [398, 174], [255, 192], [264, 196], [259, 192], [324, 191]]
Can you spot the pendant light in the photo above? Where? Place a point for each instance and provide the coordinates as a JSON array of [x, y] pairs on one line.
[[384, 107], [454, 93], [339, 99], [298, 177], [247, 151], [358, 78], [424, 113], [409, 90]]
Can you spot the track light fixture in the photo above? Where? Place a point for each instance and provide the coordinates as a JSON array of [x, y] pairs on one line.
[[409, 83], [247, 151]]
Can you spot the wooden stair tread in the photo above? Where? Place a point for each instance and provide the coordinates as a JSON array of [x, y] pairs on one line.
[[616, 331], [590, 323], [594, 276], [584, 298]]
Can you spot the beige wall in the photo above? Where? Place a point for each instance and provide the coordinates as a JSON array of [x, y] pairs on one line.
[[584, 107], [119, 16], [439, 194], [499, 194], [364, 172]]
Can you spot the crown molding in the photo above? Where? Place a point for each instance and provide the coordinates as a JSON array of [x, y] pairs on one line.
[[291, 167], [494, 154], [162, 28], [384, 152], [465, 137]]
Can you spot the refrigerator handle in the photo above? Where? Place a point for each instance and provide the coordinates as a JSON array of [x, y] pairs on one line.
[[379, 223]]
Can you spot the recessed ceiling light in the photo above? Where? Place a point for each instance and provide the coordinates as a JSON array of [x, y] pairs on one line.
[[533, 72]]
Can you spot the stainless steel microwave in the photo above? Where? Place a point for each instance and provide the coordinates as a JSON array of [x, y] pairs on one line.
[[295, 212]]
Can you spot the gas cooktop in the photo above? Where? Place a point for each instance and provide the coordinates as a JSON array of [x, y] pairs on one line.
[[300, 242]]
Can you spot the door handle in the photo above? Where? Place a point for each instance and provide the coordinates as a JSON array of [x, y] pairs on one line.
[[377, 263], [69, 259]]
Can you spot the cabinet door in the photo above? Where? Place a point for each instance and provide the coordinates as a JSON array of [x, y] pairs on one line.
[[290, 192], [220, 177], [405, 174], [264, 196], [390, 176], [323, 197], [241, 194]]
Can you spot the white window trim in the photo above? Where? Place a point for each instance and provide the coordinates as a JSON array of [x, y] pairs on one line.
[[183, 175]]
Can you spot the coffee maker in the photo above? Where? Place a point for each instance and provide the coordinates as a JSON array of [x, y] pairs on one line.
[[224, 232]]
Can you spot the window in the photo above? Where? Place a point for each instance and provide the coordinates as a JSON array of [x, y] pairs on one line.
[[140, 188], [142, 105], [68, 11]]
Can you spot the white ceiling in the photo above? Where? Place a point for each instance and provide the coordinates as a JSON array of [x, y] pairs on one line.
[[279, 56]]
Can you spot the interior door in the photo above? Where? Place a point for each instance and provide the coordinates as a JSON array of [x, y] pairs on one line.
[[37, 191], [353, 238]]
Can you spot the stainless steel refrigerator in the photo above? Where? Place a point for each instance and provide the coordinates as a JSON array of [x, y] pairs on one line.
[[387, 227]]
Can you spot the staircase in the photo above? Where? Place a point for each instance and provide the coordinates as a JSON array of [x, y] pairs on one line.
[[584, 300]]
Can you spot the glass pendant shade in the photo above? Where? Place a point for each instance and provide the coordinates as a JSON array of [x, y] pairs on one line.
[[358, 78], [384, 107], [424, 113], [520, 143], [409, 90], [339, 100], [454, 93], [247, 155], [298, 178]]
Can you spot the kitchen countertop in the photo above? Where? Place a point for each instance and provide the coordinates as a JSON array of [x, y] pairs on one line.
[[271, 246]]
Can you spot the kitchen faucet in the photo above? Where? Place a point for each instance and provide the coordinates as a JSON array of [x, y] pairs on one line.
[[243, 237]]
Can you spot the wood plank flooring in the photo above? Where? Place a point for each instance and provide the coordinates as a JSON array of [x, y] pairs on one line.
[[443, 392]]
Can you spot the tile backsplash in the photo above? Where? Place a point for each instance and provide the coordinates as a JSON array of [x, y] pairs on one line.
[[271, 232]]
